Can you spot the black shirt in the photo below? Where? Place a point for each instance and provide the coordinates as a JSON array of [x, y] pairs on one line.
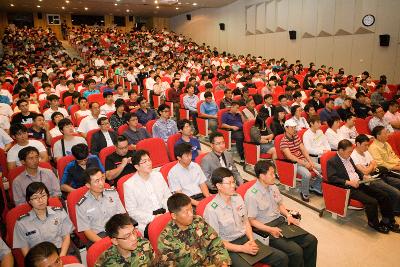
[[22, 119], [41, 135], [343, 113], [67, 93], [114, 160], [361, 109]]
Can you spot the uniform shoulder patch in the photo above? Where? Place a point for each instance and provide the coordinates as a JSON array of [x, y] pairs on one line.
[[214, 205], [56, 208], [254, 190], [23, 216], [81, 201], [110, 189]]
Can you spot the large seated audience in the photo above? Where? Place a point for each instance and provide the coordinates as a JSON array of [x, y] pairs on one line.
[[74, 128]]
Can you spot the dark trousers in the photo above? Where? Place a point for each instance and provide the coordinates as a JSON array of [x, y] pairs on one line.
[[239, 137], [277, 258], [389, 186], [301, 250], [194, 115], [371, 198], [176, 107]]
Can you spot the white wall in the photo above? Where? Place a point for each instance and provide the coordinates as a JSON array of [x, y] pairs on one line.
[[329, 32]]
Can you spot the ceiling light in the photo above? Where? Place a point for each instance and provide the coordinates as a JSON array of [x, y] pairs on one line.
[[38, 6], [86, 8], [40, 0], [157, 7], [127, 10], [67, 1], [179, 3], [195, 4], [11, 4], [63, 7], [115, 4], [156, 2], [176, 8]]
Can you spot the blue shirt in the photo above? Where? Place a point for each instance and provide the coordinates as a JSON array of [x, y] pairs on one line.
[[232, 119], [326, 115], [144, 117], [209, 108], [194, 142], [74, 175], [88, 93], [164, 129]]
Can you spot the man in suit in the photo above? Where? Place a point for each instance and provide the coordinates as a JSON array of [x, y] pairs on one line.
[[218, 157], [268, 110], [105, 137], [343, 172]]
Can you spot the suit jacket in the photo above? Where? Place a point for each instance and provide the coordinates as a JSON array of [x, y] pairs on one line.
[[264, 113], [211, 162], [337, 173], [99, 141]]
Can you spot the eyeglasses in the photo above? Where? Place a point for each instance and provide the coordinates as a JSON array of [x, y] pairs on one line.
[[219, 143], [145, 161], [131, 234], [38, 197], [105, 123], [229, 183]]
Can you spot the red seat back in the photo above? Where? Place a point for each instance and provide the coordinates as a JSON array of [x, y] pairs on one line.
[[157, 150], [301, 133], [362, 126], [219, 115], [200, 158], [277, 143], [72, 199], [149, 126], [89, 137], [120, 186], [171, 144], [105, 152], [394, 141], [96, 98], [166, 168], [241, 190], [96, 250], [324, 161], [62, 163], [122, 129], [203, 204], [3, 162], [246, 129], [69, 260], [156, 227], [269, 121]]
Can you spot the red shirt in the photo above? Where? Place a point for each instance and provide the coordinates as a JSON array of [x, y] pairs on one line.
[[293, 144]]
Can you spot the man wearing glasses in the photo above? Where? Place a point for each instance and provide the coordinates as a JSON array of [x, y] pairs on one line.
[[134, 133], [146, 192], [164, 126], [128, 248], [97, 206], [105, 137]]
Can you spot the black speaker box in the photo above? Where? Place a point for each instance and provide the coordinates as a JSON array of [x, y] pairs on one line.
[[39, 15], [188, 17], [384, 39], [222, 26], [292, 35], [130, 18]]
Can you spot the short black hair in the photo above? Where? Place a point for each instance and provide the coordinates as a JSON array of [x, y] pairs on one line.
[[92, 103], [207, 94], [33, 188], [39, 253], [332, 120], [219, 174], [162, 107], [348, 116], [377, 130], [361, 138], [262, 167], [181, 149], [119, 102], [17, 128], [374, 108], [129, 116], [140, 99], [313, 119], [90, 172], [329, 99], [177, 201], [214, 135], [52, 97], [101, 119], [80, 151], [64, 122], [281, 97], [117, 222], [53, 116], [181, 123], [107, 93], [137, 157], [23, 153], [344, 144], [19, 102], [121, 138], [293, 109]]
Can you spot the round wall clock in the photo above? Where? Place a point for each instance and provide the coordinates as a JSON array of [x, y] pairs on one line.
[[368, 20]]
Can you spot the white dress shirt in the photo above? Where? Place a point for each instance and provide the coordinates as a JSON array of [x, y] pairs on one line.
[[333, 138], [315, 143]]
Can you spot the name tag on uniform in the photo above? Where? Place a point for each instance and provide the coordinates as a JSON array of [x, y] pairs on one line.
[[90, 210], [240, 210], [30, 233]]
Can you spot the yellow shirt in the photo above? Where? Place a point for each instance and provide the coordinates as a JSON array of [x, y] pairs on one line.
[[383, 154]]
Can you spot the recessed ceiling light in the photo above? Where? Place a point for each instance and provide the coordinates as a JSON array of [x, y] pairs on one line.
[[40, 0], [195, 4], [127, 10], [67, 1], [63, 7], [157, 7], [38, 6], [155, 2], [179, 3], [176, 8], [86, 8], [11, 4], [115, 4]]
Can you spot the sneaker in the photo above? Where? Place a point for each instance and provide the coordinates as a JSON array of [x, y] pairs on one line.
[[305, 198], [354, 208], [316, 191], [381, 228]]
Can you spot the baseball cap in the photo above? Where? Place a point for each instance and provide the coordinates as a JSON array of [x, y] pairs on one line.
[[290, 123]]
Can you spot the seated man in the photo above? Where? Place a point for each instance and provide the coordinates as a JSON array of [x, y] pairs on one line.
[[40, 129], [186, 176], [348, 130], [39, 225], [233, 121], [219, 157], [383, 154], [379, 120], [20, 134], [314, 140], [64, 146], [328, 112], [146, 192], [144, 113], [294, 150], [190, 101], [227, 215], [164, 127], [186, 130], [134, 133], [119, 163], [91, 89], [54, 102], [29, 157], [267, 212], [6, 257], [283, 102], [268, 109], [343, 172], [74, 173], [127, 247], [315, 100], [226, 102], [360, 107], [392, 115], [301, 122], [25, 116], [90, 122], [108, 106], [105, 137], [83, 110], [184, 224], [209, 110], [6, 141], [367, 166], [346, 108], [97, 206]]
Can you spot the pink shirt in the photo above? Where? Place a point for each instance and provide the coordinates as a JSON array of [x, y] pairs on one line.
[[390, 117]]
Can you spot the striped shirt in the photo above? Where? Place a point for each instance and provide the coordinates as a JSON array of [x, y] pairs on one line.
[[293, 144]]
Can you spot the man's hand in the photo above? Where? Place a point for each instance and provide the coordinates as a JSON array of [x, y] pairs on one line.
[[276, 232], [126, 161], [291, 220], [353, 183], [235, 128], [250, 247]]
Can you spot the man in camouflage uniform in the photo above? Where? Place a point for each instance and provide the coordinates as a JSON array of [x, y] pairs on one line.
[[188, 240], [128, 250]]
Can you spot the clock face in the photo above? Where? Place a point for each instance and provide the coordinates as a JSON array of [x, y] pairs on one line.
[[368, 20]]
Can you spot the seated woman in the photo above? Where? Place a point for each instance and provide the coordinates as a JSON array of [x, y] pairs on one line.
[[261, 134], [118, 119], [278, 121], [42, 223], [249, 112]]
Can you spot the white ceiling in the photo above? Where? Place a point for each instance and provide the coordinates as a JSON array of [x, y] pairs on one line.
[[144, 8]]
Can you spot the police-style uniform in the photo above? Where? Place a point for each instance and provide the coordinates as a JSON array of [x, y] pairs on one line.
[[262, 203], [92, 214], [229, 221], [29, 230], [4, 249]]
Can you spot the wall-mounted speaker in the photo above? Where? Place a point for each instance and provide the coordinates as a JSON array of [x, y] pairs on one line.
[[222, 26], [384, 39], [292, 35], [188, 16], [130, 18], [39, 15]]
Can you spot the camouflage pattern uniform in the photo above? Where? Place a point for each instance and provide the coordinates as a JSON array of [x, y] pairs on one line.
[[199, 245], [142, 256]]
